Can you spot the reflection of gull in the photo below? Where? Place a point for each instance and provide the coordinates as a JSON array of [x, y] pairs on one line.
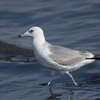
[[53, 95], [57, 58], [57, 96]]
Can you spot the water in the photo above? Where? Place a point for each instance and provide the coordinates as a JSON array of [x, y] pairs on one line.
[[72, 24]]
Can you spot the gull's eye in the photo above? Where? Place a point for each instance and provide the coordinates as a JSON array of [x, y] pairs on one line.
[[31, 31]]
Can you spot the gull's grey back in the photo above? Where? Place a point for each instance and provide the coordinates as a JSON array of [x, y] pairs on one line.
[[61, 51], [65, 56]]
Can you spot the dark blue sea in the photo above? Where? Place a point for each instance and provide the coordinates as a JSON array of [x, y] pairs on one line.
[[74, 24]]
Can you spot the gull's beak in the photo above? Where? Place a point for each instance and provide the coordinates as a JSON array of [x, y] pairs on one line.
[[21, 35], [25, 34]]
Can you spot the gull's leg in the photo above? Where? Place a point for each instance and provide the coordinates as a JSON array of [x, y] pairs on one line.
[[50, 80], [52, 73], [72, 79]]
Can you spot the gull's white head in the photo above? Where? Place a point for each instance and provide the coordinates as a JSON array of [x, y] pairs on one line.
[[33, 32]]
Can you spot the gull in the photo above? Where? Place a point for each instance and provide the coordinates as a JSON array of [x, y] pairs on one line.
[[56, 58]]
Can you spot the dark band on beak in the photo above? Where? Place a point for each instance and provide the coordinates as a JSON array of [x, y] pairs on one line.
[[19, 36]]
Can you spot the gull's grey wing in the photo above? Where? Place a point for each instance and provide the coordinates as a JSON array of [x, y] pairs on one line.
[[65, 56]]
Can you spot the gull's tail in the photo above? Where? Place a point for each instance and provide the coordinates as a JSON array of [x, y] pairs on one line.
[[96, 55]]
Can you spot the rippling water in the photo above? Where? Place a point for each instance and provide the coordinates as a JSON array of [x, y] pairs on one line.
[[72, 24]]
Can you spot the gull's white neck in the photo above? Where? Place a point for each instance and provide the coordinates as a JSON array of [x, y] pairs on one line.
[[38, 43]]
